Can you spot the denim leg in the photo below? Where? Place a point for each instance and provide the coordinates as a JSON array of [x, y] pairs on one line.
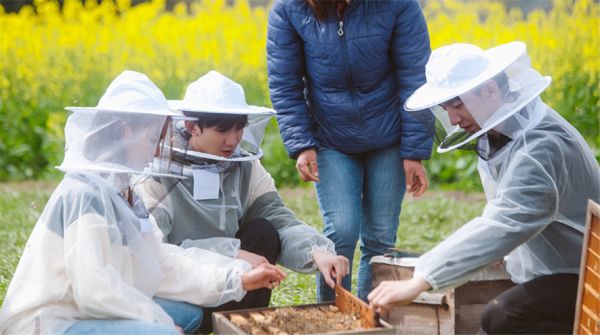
[[339, 193], [383, 192], [186, 316], [118, 327]]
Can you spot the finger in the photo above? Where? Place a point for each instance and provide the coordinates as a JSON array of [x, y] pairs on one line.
[[423, 184], [279, 272], [339, 273], [306, 174], [302, 169], [328, 279], [409, 177], [313, 175], [315, 168]]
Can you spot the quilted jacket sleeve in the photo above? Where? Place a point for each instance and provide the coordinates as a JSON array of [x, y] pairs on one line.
[[410, 52], [286, 69]]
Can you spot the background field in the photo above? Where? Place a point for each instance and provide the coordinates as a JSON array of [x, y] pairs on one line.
[[51, 57]]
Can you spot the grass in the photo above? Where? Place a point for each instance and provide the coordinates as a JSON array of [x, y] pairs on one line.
[[423, 223]]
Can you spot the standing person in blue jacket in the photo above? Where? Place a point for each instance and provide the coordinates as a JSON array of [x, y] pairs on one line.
[[339, 73]]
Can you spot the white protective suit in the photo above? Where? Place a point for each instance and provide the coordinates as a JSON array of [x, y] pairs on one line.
[[91, 254], [537, 185]]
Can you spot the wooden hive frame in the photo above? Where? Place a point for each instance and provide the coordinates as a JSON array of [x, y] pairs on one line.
[[587, 312]]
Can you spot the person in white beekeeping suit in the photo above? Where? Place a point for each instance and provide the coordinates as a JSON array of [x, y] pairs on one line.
[[95, 262], [537, 173], [229, 203]]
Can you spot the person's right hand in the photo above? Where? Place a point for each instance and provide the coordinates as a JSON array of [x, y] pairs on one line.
[[306, 164], [400, 292], [264, 276], [252, 258]]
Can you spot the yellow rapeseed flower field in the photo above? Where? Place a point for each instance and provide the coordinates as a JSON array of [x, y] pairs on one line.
[[52, 57]]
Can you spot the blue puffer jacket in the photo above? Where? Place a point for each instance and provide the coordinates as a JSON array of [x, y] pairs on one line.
[[343, 84]]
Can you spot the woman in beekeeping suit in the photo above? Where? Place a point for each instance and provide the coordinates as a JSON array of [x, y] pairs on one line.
[[95, 260], [229, 203], [537, 173]]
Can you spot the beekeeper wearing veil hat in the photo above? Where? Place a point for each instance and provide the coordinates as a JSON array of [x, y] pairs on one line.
[[537, 173], [229, 203], [95, 262]]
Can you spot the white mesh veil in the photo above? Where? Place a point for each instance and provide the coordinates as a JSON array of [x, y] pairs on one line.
[[120, 134], [463, 71], [216, 94]]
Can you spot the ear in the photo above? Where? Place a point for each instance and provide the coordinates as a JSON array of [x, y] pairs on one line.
[[189, 125], [491, 91]]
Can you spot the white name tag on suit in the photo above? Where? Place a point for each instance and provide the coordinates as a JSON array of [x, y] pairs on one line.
[[206, 184]]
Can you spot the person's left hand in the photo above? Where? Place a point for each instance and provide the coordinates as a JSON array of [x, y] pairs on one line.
[[331, 266], [396, 292], [263, 276], [416, 178]]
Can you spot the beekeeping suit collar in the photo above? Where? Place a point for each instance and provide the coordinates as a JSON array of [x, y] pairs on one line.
[[214, 93], [465, 71], [119, 135]]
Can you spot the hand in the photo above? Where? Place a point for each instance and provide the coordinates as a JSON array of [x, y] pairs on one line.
[[416, 178], [306, 164], [264, 276], [396, 292], [179, 330], [331, 266], [252, 258]]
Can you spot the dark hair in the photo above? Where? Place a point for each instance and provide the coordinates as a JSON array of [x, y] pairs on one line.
[[321, 8], [223, 122], [503, 84]]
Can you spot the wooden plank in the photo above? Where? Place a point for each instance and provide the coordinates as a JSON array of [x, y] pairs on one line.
[[428, 298], [222, 325], [414, 319], [468, 318], [480, 291], [588, 299], [348, 303]]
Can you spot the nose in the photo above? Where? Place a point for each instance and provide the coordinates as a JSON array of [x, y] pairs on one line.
[[453, 116], [232, 138]]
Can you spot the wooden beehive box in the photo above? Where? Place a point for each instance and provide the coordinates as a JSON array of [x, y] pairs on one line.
[[222, 323], [457, 312], [587, 313]]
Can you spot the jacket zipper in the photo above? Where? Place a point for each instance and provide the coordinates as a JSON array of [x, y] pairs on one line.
[[346, 66]]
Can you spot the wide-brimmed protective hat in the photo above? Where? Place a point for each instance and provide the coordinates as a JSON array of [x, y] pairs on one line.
[[459, 71], [131, 92], [215, 93], [120, 134], [457, 68]]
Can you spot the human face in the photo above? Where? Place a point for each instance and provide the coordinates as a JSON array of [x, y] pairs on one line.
[[460, 115], [213, 141]]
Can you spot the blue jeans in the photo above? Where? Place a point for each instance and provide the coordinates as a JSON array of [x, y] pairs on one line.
[[184, 315], [360, 198]]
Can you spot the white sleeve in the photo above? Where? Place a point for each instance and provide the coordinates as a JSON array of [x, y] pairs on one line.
[[524, 206], [200, 277], [227, 246], [98, 288]]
